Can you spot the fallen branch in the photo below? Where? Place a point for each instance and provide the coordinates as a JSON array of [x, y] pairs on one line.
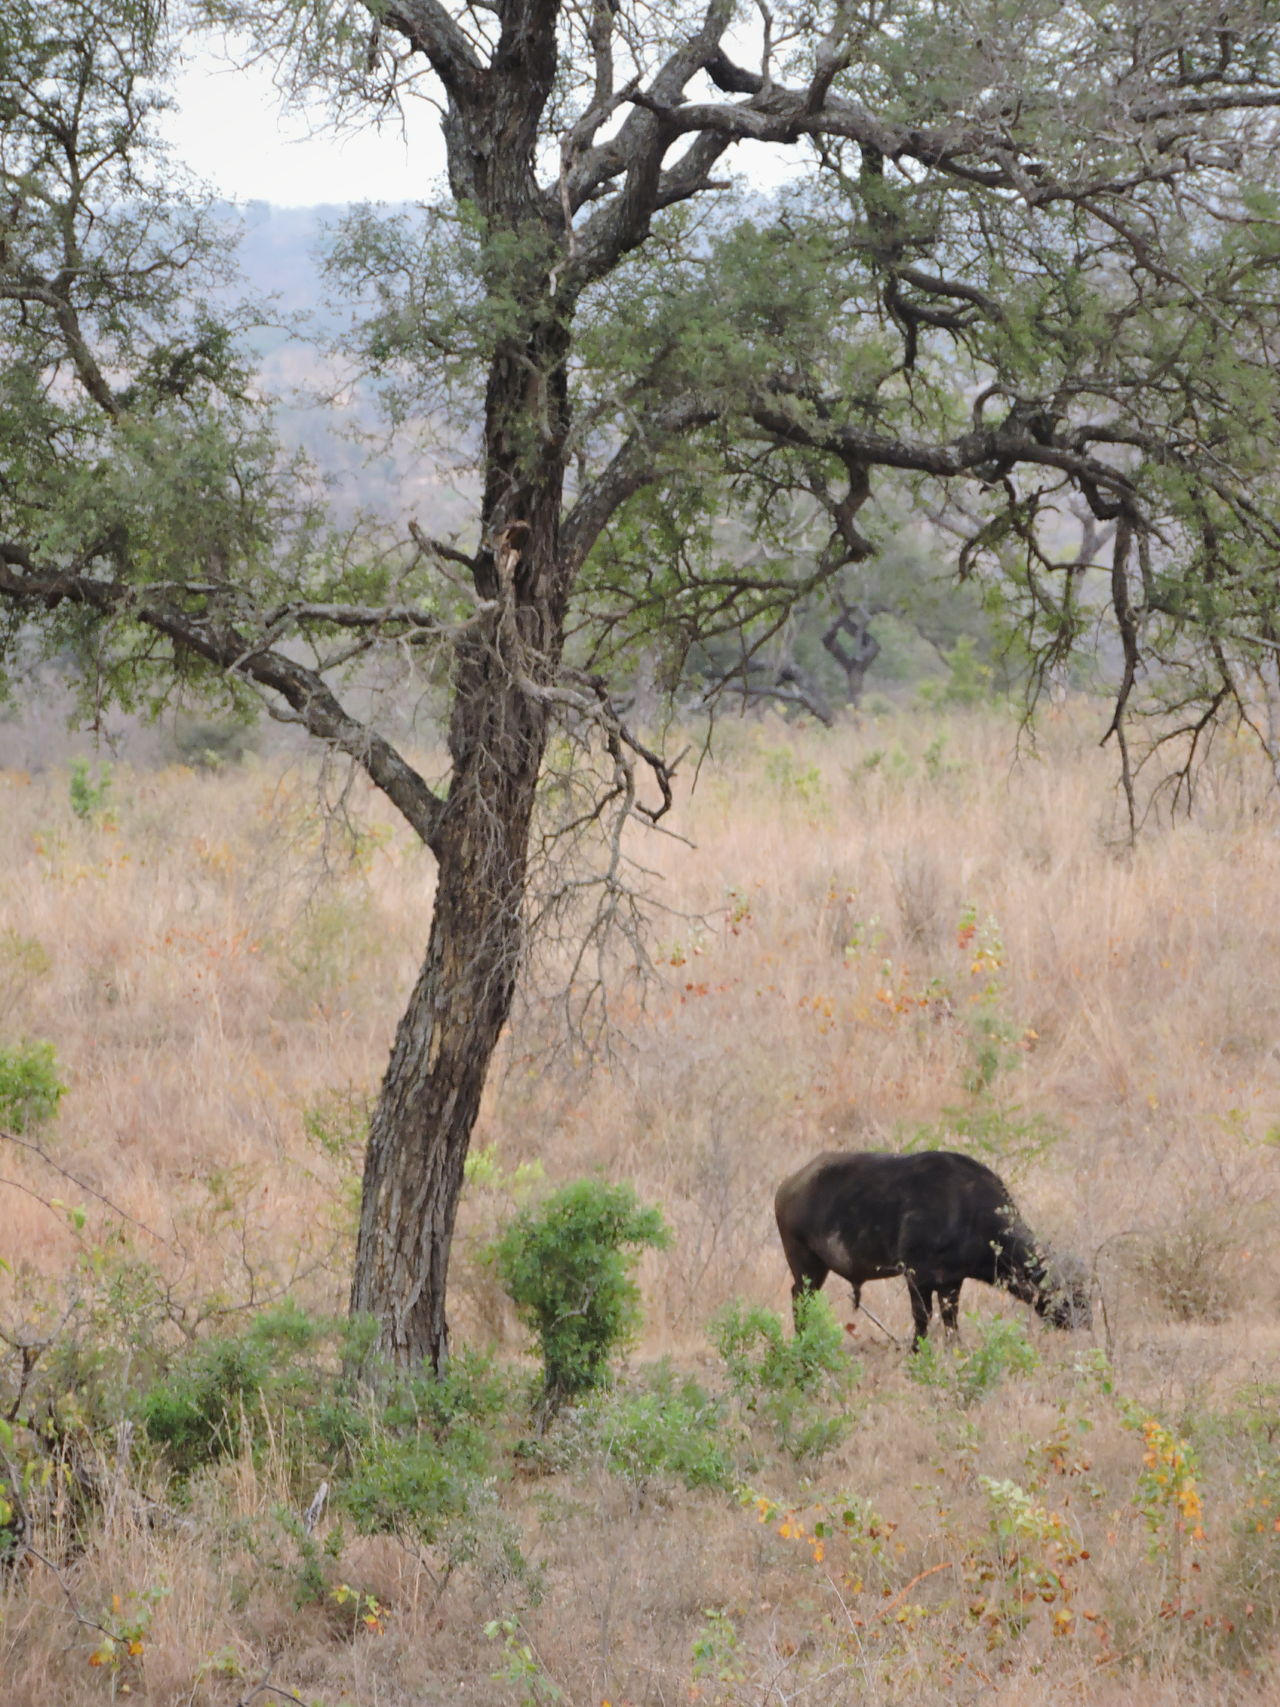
[[266, 1687], [946, 1565]]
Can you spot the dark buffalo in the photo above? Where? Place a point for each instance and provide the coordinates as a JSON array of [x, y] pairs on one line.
[[937, 1218]]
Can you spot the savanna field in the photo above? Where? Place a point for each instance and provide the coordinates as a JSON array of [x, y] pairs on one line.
[[911, 932]]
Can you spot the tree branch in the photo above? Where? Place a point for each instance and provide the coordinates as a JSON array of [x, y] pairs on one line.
[[632, 467], [429, 30], [219, 642], [642, 140]]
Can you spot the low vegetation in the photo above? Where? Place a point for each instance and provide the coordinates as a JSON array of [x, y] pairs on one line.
[[636, 1483]]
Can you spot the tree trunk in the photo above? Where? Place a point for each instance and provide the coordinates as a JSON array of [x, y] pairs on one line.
[[862, 650], [505, 667], [1269, 679], [430, 1096]]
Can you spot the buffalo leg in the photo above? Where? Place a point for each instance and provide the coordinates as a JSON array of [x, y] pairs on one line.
[[807, 1270], [949, 1309], [921, 1309]]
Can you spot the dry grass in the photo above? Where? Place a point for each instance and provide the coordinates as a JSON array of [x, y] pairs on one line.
[[871, 924]]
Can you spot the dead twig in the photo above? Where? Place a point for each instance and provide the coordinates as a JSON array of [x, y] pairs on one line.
[[82, 1185], [885, 1331], [266, 1687], [946, 1565]]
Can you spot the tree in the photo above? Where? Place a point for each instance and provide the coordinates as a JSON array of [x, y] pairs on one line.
[[1032, 258], [139, 484]]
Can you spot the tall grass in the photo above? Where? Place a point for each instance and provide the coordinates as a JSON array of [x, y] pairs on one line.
[[894, 934]]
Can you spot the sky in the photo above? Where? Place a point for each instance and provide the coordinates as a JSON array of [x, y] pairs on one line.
[[230, 130]]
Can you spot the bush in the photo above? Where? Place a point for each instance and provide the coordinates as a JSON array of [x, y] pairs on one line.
[[1001, 1347], [566, 1265], [667, 1426], [203, 1409], [12, 1526], [1001, 1133], [90, 801], [425, 1469], [211, 743], [461, 1405], [221, 1396], [417, 1485], [409, 1456], [789, 1380], [30, 1088], [1188, 1267]]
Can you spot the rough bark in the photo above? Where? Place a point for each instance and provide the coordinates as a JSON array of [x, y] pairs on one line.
[[430, 1096], [431, 1092], [504, 671]]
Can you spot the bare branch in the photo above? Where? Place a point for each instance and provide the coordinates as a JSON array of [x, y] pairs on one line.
[[430, 30], [221, 643]]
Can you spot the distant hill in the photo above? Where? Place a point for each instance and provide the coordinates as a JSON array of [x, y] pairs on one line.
[[279, 251]]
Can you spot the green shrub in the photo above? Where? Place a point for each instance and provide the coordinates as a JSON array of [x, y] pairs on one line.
[[969, 680], [414, 1485], [714, 1652], [407, 1456], [969, 1372], [426, 1468], [462, 1404], [211, 743], [667, 1426], [791, 1380], [90, 801], [761, 1356], [223, 1395], [566, 1265], [11, 1516], [30, 1088], [80, 1346], [337, 1124], [801, 784], [1002, 1133], [200, 1412]]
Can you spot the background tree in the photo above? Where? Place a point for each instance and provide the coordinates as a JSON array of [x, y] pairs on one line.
[[1033, 259], [901, 612]]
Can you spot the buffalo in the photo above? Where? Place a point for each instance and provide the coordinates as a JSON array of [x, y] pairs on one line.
[[937, 1218]]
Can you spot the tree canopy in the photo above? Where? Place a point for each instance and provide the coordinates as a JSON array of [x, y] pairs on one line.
[[1024, 279]]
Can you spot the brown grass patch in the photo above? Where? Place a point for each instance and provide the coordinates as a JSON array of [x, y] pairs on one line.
[[861, 932]]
